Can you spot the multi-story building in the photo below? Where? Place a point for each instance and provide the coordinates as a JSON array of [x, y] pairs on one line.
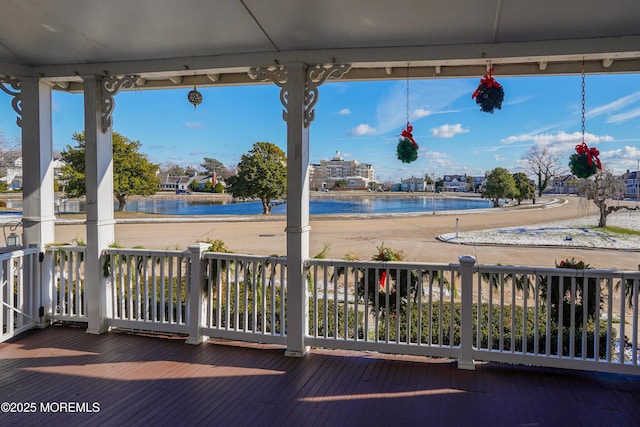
[[413, 184], [340, 172]]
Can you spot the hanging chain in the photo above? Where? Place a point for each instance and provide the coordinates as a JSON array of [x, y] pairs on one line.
[[407, 93], [583, 109]]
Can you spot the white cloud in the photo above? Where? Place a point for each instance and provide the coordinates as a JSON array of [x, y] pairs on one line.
[[559, 142], [344, 112], [436, 155], [448, 131], [621, 159], [362, 129], [420, 113], [623, 117], [499, 158], [427, 97], [615, 105], [194, 125]]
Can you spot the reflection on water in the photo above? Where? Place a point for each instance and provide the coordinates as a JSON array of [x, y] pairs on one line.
[[186, 206]]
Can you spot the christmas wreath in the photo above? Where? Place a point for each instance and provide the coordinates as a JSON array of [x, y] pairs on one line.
[[489, 94], [585, 162], [407, 150]]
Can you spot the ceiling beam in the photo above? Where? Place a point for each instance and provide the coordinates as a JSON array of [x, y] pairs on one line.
[[615, 48]]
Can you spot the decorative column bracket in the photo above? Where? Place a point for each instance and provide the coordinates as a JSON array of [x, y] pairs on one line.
[[316, 75], [279, 76], [111, 86], [16, 102]]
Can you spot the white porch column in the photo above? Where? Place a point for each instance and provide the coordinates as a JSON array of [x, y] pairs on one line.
[[99, 185], [38, 216], [297, 211], [299, 95]]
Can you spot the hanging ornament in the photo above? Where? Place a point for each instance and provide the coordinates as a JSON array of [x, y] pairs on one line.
[[407, 149], [194, 96], [489, 94], [585, 162]]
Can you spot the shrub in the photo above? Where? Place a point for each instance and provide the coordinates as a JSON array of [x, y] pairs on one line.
[[510, 317]]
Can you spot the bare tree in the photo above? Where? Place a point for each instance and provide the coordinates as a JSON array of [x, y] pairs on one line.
[[603, 187], [544, 164], [9, 151]]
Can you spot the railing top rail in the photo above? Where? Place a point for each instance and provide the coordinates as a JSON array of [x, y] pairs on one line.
[[67, 248], [145, 252], [562, 272], [247, 258], [382, 264], [18, 253]]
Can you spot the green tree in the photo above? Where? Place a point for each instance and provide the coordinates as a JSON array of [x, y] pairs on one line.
[[500, 184], [212, 165], [469, 183], [208, 187], [133, 173], [524, 189], [262, 173], [193, 185], [218, 188], [4, 187]]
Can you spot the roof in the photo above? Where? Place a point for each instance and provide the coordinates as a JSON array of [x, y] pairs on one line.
[[166, 43]]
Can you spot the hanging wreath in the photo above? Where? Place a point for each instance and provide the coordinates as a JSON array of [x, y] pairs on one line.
[[407, 150], [489, 94], [585, 162]]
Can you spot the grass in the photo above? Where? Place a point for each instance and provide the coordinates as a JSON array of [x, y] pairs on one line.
[[621, 231]]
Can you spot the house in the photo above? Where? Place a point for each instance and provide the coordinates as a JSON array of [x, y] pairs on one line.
[[455, 183], [413, 184], [563, 184], [13, 175], [632, 185], [183, 183]]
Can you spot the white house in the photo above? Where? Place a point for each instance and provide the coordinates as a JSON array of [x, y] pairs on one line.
[[632, 185]]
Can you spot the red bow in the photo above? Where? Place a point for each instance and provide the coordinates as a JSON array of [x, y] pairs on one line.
[[591, 153], [383, 278], [406, 133], [488, 81]]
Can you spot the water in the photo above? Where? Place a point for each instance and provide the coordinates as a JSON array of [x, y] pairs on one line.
[[383, 205], [374, 205]]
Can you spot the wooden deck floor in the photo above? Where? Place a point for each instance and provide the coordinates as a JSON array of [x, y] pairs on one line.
[[151, 380]]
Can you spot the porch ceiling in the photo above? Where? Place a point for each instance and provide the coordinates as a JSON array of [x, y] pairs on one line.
[[161, 40]]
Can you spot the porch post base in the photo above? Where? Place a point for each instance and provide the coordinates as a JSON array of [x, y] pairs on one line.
[[99, 331], [196, 340], [297, 353], [467, 365]]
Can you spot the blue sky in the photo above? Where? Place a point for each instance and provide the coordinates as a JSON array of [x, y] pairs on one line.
[[363, 121]]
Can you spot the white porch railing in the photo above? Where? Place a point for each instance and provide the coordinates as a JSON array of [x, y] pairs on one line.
[[245, 297], [148, 290], [558, 317], [19, 291], [67, 285], [383, 306]]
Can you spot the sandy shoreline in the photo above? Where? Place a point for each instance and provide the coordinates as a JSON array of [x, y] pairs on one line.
[[414, 234]]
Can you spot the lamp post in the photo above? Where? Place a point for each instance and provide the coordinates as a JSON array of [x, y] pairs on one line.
[[433, 189]]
